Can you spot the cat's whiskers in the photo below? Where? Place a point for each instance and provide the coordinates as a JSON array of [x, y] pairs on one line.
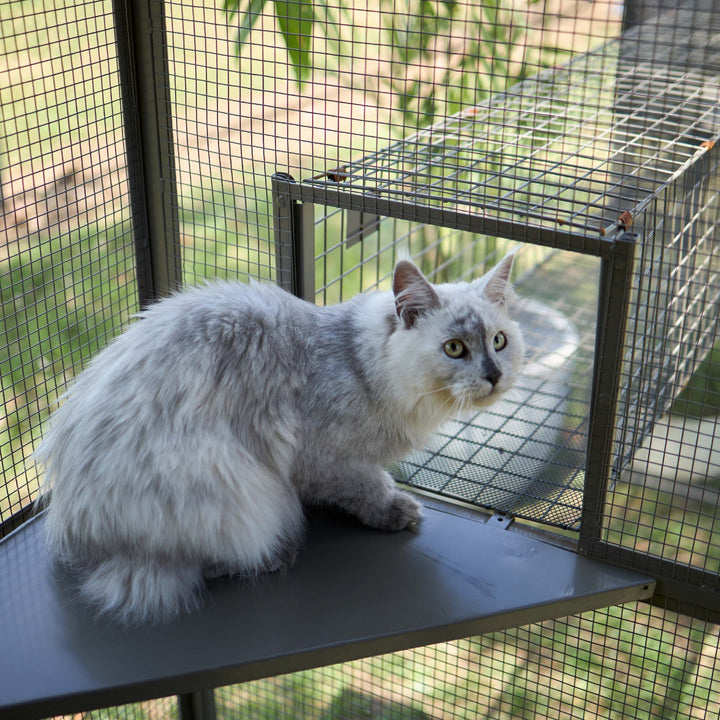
[[449, 404], [447, 389]]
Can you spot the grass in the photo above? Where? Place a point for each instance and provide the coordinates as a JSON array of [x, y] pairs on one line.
[[226, 235], [701, 396], [674, 527], [61, 300]]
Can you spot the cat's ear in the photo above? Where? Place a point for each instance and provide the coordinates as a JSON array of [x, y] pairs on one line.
[[496, 283], [414, 295]]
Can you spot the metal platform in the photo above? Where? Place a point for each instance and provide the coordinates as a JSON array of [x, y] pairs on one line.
[[354, 592]]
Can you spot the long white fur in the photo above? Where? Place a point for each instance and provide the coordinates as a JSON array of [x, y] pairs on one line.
[[190, 444]]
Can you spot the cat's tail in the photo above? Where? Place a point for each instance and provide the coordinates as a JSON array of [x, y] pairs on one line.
[[135, 591]]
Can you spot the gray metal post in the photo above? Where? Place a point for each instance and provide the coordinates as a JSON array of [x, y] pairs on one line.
[[294, 224], [143, 65], [614, 291], [198, 705]]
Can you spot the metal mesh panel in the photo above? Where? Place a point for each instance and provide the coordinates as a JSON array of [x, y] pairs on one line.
[[67, 256], [635, 661], [221, 170], [621, 662], [566, 152], [401, 102], [161, 709], [668, 485], [550, 151]]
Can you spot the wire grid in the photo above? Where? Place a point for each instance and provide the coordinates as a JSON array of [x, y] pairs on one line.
[[67, 266], [674, 304], [572, 148], [237, 120], [665, 502], [232, 129], [224, 145], [160, 709], [633, 661]]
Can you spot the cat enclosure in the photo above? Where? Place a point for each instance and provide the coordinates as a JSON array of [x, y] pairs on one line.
[[569, 565]]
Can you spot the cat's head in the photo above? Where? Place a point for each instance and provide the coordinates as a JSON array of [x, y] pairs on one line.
[[461, 344]]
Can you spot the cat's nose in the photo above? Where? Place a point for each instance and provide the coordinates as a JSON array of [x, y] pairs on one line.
[[492, 373]]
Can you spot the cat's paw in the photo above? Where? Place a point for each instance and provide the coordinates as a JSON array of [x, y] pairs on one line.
[[403, 512], [283, 560]]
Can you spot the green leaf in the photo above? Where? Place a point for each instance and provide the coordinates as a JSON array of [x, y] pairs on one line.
[[231, 7], [253, 12], [296, 19]]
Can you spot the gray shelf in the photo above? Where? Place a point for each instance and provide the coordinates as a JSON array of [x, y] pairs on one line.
[[354, 592]]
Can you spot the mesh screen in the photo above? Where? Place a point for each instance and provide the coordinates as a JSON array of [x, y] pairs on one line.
[[538, 115], [67, 256], [224, 125], [616, 663], [162, 709], [638, 662], [665, 500]]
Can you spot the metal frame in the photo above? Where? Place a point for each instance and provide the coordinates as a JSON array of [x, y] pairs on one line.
[[199, 705], [294, 224], [614, 290], [147, 108], [295, 203]]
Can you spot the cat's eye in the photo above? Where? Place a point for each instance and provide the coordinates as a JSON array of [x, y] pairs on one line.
[[455, 348], [499, 341]]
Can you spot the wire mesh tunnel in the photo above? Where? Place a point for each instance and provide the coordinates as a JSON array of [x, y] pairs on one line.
[[138, 142], [615, 148]]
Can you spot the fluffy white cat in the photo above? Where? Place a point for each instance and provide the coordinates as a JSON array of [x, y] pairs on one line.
[[189, 446]]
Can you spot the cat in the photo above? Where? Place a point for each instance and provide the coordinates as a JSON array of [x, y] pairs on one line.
[[189, 446]]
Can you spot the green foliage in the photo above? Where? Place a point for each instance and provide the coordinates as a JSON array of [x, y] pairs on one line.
[[296, 20], [61, 300], [448, 55], [441, 55], [701, 396]]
